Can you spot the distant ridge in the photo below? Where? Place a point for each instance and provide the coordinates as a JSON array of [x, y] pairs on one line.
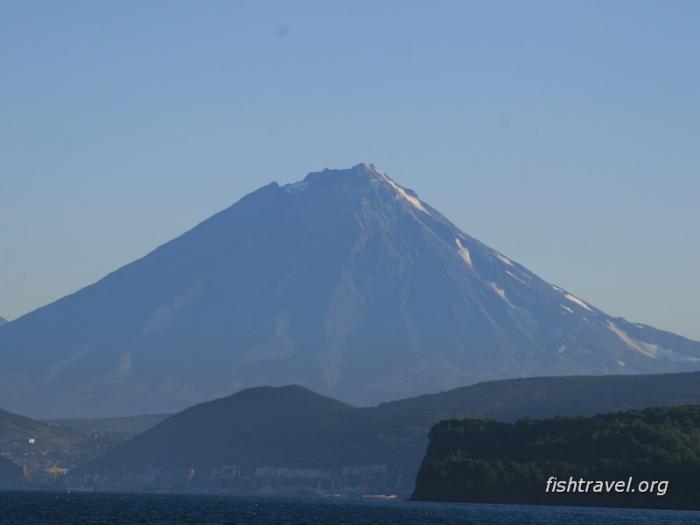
[[295, 427], [127, 425], [344, 282]]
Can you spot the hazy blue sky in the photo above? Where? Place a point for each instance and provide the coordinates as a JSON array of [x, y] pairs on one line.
[[564, 134]]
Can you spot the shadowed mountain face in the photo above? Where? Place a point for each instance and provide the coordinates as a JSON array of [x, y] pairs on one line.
[[344, 282], [255, 427]]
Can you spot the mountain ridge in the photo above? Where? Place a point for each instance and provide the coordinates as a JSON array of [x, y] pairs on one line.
[[294, 427]]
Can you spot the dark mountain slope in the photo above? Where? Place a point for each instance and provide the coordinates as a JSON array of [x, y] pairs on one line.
[[259, 426]]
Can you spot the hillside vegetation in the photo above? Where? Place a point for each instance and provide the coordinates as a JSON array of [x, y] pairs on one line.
[[482, 460]]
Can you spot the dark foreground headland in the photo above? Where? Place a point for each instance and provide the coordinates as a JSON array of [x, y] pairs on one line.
[[648, 458]]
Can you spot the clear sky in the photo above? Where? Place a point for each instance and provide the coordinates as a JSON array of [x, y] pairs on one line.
[[564, 134]]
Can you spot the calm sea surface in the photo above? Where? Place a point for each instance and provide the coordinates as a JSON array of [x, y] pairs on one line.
[[38, 508]]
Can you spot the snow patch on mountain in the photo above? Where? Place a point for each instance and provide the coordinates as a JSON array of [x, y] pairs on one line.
[[517, 278], [645, 348], [413, 201], [464, 253], [577, 301], [504, 259], [500, 292]]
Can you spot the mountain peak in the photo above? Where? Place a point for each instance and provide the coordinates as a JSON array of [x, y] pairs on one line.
[[363, 175], [288, 393], [370, 170], [367, 167], [360, 173]]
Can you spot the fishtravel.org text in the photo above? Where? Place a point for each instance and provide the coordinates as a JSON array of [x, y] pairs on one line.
[[583, 486]]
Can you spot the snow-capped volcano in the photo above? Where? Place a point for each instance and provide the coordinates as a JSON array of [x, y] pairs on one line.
[[344, 282]]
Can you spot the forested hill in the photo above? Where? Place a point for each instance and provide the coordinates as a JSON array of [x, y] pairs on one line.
[[481, 460]]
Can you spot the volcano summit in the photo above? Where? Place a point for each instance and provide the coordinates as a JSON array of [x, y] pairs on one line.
[[345, 282]]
